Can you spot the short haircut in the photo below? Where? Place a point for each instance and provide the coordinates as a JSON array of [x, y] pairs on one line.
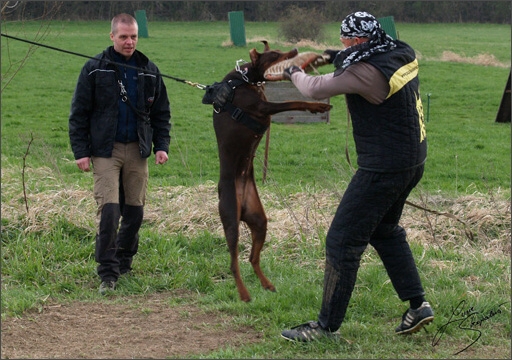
[[121, 18]]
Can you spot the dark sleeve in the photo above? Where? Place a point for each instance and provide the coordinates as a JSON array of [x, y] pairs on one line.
[[79, 117], [160, 117]]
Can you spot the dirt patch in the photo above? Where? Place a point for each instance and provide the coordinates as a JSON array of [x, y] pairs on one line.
[[125, 328]]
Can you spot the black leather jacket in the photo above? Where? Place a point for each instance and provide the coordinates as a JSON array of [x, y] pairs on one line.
[[94, 108]]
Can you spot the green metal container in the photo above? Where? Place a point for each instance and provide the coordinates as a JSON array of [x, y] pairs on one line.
[[237, 27], [142, 21], [388, 24]]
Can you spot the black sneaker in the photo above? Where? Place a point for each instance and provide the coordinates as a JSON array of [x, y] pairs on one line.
[[414, 320], [107, 286], [306, 332]]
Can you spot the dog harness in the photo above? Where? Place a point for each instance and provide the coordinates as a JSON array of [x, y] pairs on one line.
[[220, 95]]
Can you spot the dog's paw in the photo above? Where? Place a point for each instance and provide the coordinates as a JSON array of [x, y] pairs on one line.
[[274, 76], [320, 108]]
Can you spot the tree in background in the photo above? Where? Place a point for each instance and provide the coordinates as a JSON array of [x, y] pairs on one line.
[[24, 11], [403, 11], [302, 24]]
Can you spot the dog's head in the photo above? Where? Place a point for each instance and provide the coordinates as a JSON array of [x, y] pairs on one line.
[[261, 62]]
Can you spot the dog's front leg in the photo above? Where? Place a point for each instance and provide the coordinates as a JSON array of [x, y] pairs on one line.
[[271, 108]]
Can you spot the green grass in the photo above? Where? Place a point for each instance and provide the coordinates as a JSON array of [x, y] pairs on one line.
[[49, 253], [463, 105]]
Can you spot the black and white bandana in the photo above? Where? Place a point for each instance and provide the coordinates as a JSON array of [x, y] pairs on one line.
[[362, 24]]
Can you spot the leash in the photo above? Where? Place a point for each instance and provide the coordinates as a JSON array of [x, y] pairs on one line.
[[197, 85]]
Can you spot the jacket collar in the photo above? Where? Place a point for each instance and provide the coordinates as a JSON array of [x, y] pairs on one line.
[[140, 59]]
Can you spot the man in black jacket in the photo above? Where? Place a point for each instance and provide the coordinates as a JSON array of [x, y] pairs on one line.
[[118, 115], [379, 76]]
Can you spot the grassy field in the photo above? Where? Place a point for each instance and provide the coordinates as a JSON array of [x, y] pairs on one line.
[[48, 251]]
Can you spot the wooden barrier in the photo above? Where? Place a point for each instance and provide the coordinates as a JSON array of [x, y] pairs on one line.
[[280, 91]]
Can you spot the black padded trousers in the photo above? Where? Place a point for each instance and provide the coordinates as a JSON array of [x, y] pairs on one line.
[[368, 213]]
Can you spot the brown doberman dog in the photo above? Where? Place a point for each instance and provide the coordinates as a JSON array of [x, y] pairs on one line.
[[241, 116]]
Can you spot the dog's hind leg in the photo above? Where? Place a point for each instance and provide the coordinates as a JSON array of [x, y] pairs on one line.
[[254, 216], [229, 210]]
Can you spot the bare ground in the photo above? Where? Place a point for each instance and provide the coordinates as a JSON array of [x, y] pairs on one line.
[[125, 328]]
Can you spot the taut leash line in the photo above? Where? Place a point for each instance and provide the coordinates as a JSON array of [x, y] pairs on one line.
[[197, 85]]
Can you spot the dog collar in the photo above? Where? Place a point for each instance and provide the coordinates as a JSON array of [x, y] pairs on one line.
[[244, 73]]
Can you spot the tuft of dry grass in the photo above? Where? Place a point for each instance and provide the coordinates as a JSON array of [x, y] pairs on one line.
[[294, 218], [487, 218], [484, 59], [480, 59]]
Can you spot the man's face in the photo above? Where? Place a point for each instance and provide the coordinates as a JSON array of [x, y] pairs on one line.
[[348, 42], [125, 39]]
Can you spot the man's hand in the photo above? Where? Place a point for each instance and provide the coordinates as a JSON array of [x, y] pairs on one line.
[[161, 157], [84, 164], [287, 73], [330, 55]]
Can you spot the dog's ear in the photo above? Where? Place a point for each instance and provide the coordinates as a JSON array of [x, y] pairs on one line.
[[267, 48], [255, 55]]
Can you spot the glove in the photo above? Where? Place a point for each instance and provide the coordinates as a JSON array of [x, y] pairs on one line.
[[330, 55], [287, 73]]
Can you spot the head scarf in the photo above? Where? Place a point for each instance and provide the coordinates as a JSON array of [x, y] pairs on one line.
[[362, 24]]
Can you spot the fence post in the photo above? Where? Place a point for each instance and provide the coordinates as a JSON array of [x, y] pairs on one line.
[[142, 21], [237, 27], [388, 25]]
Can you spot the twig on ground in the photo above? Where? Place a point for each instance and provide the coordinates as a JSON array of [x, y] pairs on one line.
[[23, 171]]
